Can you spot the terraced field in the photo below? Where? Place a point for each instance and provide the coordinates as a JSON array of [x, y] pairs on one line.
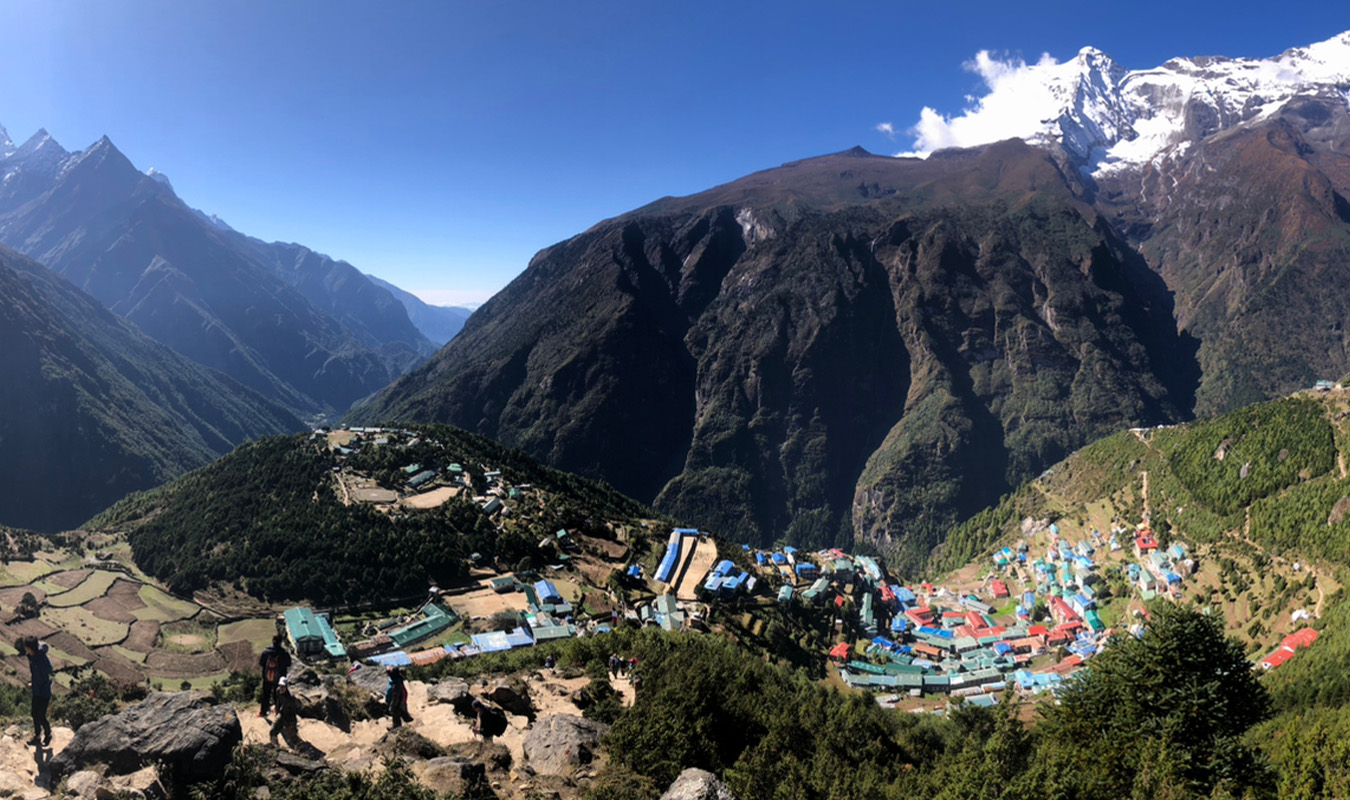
[[127, 629], [93, 585]]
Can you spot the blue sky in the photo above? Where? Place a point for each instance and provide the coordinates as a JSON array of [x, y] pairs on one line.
[[440, 145]]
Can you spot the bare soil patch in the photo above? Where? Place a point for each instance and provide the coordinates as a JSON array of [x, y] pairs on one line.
[[30, 627], [142, 636], [484, 602], [118, 668], [107, 608], [182, 665], [239, 656], [69, 644], [70, 578], [374, 494], [126, 594], [696, 569], [188, 640], [432, 499], [611, 550], [10, 597]]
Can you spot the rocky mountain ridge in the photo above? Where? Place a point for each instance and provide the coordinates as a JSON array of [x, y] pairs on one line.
[[302, 328]]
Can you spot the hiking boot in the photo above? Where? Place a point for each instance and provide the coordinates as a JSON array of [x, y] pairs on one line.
[[262, 714], [36, 741], [47, 740]]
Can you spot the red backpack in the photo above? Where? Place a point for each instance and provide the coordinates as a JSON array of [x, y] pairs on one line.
[[272, 669]]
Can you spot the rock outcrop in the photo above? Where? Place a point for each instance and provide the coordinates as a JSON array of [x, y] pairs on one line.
[[698, 784], [558, 744], [455, 776], [514, 699], [186, 731]]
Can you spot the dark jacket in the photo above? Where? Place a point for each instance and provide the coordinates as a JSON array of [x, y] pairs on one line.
[[41, 668], [395, 692], [283, 662], [288, 706]]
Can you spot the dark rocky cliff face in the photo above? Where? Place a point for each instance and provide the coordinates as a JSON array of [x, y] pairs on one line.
[[845, 346]]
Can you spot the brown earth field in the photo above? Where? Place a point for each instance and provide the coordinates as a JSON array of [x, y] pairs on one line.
[[127, 595], [239, 656], [182, 665], [71, 578], [67, 643], [107, 608], [142, 636], [11, 595], [118, 667]]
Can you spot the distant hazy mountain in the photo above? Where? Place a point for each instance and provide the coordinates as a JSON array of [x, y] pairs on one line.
[[437, 323], [298, 326], [862, 347], [91, 408]]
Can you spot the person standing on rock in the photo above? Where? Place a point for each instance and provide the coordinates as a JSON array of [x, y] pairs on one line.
[[396, 697], [288, 714], [275, 663], [40, 668]]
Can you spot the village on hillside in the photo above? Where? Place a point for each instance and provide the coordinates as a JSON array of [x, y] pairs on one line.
[[1024, 618], [1029, 617]]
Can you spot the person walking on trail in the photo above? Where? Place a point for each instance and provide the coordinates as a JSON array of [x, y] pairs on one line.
[[396, 697], [481, 726], [40, 668], [275, 663], [288, 714]]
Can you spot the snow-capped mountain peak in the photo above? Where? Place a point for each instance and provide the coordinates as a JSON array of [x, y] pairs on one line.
[[1111, 118], [159, 177], [6, 146]]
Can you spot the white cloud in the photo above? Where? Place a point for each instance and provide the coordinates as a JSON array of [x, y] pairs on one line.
[[466, 298], [886, 128], [1020, 98]]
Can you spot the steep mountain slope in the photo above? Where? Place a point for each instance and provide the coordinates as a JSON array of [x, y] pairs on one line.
[[440, 324], [91, 408], [1251, 228], [844, 343], [279, 517], [299, 327]]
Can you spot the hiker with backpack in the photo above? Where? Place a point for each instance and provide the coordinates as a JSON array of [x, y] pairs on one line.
[[396, 697], [275, 663]]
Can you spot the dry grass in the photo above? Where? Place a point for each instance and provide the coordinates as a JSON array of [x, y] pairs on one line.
[[162, 607], [86, 627], [91, 588]]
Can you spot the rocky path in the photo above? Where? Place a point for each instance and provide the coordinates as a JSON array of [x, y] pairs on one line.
[[22, 767]]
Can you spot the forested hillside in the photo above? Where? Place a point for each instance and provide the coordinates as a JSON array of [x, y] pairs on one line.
[[273, 519]]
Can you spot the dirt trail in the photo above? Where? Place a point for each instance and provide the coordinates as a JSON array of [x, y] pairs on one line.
[[1144, 473]]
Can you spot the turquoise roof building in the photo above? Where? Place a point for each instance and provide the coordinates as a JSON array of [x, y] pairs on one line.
[[311, 634]]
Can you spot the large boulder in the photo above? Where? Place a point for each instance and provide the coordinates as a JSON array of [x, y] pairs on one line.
[[452, 691], [372, 679], [186, 731], [455, 776], [698, 784], [318, 702], [558, 744], [514, 699]]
